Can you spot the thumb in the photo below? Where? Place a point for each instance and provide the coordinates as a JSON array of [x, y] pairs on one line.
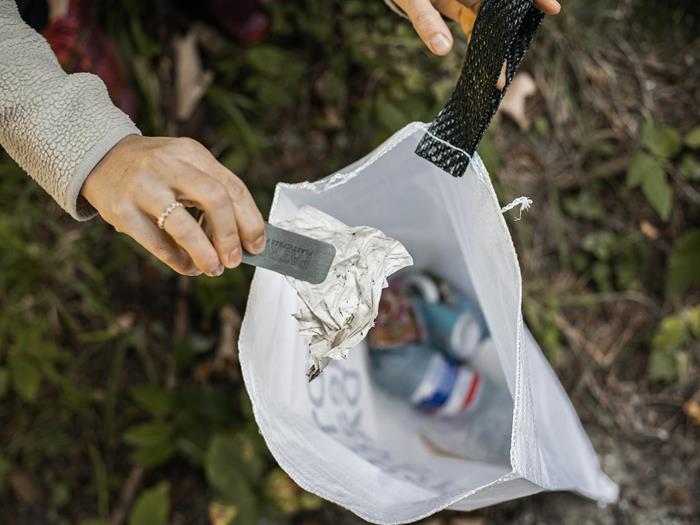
[[429, 25]]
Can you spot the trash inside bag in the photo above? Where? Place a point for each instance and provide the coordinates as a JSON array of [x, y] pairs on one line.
[[421, 350]]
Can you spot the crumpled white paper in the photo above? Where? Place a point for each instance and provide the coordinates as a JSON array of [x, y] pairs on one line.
[[339, 312]]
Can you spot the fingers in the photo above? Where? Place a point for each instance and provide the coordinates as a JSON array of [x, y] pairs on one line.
[[501, 82], [211, 196], [144, 231], [458, 12], [184, 231], [429, 25], [251, 227], [187, 232], [250, 222], [432, 30], [231, 214], [550, 7]]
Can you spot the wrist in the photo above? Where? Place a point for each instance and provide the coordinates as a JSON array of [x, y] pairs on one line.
[[107, 164]]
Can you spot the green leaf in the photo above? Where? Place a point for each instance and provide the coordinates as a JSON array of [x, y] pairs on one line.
[[152, 507], [671, 334], [689, 168], [5, 469], [585, 205], [602, 275], [282, 493], [669, 361], [153, 434], [240, 496], [232, 457], [152, 456], [684, 264], [646, 171], [663, 366], [389, 114], [628, 265], [692, 139], [692, 317], [599, 243], [275, 62], [152, 399], [642, 166], [658, 192], [231, 467], [4, 381], [661, 140], [60, 494], [26, 377]]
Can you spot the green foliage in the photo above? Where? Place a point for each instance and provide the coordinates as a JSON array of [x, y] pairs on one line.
[[669, 360], [237, 452], [689, 168], [542, 320], [684, 264], [654, 160], [153, 399], [26, 377], [4, 381], [233, 469], [692, 139], [153, 443], [662, 141], [585, 205], [152, 507], [149, 434], [646, 171], [614, 261], [599, 243], [285, 496]]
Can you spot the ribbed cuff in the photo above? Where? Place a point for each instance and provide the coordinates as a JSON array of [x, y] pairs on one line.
[[76, 204]]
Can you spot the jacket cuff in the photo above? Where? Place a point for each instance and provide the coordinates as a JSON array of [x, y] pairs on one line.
[[75, 203]]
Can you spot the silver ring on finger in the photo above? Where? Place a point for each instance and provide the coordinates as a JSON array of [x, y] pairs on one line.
[[166, 213]]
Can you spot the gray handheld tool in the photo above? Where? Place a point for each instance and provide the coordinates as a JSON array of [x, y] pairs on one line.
[[295, 255], [289, 253]]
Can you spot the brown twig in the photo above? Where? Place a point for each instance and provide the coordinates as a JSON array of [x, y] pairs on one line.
[[129, 489]]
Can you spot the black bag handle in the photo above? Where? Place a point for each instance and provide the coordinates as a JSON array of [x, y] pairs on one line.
[[503, 31]]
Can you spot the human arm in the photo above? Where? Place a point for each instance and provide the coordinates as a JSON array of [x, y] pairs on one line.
[[88, 155]]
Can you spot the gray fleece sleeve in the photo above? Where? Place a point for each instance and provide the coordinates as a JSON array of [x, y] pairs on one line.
[[56, 126]]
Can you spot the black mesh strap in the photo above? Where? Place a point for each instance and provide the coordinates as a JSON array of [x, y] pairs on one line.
[[503, 31]]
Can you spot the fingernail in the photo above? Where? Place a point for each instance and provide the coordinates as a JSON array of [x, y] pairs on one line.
[[195, 273], [259, 244], [234, 258], [216, 271], [439, 43]]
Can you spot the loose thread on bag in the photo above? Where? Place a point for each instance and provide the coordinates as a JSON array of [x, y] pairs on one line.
[[523, 202]]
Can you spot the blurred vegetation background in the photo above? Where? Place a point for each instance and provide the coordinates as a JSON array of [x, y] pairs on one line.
[[121, 397]]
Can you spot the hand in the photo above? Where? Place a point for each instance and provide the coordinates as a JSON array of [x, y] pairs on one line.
[[427, 20], [141, 176]]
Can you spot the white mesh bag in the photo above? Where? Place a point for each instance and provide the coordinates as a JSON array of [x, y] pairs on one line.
[[339, 436]]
